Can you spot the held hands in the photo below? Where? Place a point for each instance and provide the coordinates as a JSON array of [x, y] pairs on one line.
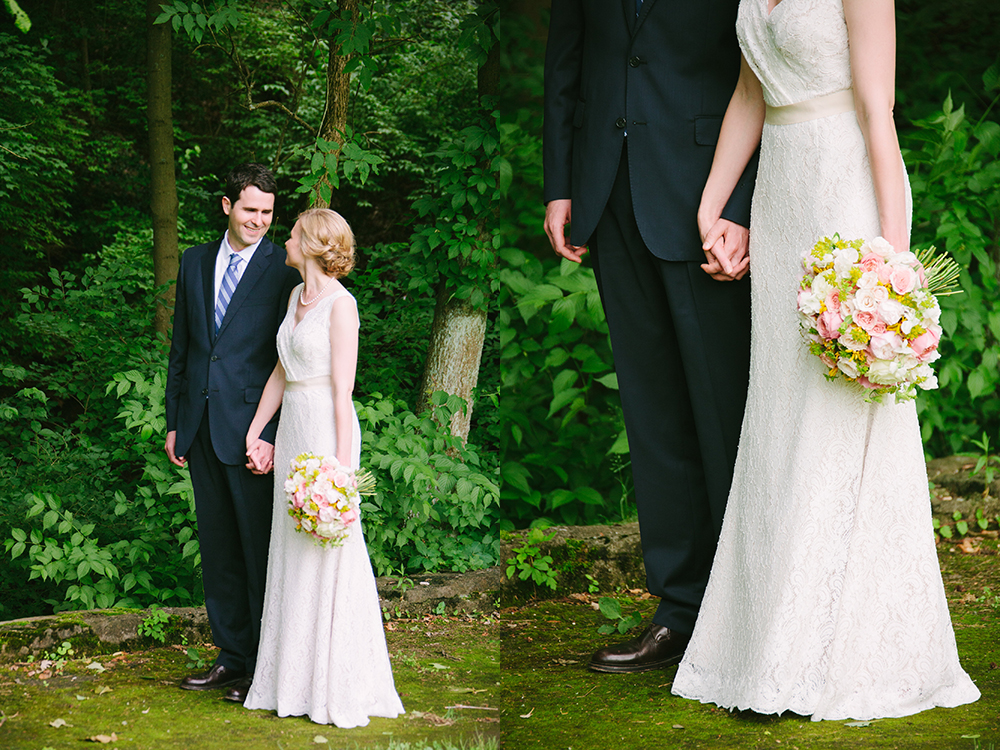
[[725, 244], [260, 456], [558, 214]]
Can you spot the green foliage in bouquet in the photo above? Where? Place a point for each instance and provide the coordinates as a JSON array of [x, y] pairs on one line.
[[955, 174]]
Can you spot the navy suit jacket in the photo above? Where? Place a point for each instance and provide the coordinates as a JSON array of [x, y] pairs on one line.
[[225, 373], [665, 78]]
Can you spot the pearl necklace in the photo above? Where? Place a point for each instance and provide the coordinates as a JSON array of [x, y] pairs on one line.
[[321, 292]]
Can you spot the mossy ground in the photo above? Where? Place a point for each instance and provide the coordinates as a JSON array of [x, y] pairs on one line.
[[437, 662], [551, 701], [529, 662]]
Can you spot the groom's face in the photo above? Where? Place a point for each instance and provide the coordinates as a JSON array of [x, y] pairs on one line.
[[249, 217]]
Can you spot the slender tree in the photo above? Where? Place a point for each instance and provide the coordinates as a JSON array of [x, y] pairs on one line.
[[459, 328], [163, 202]]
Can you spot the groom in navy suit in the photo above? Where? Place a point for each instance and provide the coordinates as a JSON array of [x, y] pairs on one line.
[[231, 297], [635, 93]]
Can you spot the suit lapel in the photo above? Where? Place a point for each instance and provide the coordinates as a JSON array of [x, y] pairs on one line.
[[646, 5], [208, 284], [258, 264]]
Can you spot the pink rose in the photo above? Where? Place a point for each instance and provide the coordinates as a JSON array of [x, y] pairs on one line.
[[833, 301], [926, 343], [883, 346], [871, 262], [922, 276], [349, 516], [903, 279], [298, 500], [885, 273], [828, 325], [866, 320]]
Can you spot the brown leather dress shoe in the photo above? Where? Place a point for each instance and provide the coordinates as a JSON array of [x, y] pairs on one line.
[[218, 676], [657, 648], [238, 692]]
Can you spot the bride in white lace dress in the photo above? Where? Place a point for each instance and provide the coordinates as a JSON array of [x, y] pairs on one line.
[[825, 596], [322, 648]]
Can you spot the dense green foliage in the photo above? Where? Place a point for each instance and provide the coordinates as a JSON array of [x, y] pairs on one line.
[[92, 513]]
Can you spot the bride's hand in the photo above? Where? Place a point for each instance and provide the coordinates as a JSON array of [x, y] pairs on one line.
[[260, 454], [725, 244]]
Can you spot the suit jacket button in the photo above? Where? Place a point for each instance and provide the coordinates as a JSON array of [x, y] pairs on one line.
[[204, 391], [635, 61], [620, 123], [215, 357]]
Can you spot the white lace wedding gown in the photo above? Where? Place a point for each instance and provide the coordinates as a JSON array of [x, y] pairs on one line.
[[825, 597], [322, 647]]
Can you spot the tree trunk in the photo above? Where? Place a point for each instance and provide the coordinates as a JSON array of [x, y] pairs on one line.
[[338, 92], [163, 201], [459, 329]]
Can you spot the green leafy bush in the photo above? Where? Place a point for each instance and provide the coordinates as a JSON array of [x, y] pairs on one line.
[[564, 442], [436, 500], [955, 174]]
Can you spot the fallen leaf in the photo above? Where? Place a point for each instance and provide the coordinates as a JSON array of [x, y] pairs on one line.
[[969, 546], [435, 665], [46, 675], [104, 689], [528, 715], [81, 697], [58, 723], [858, 724], [432, 718], [320, 740], [104, 739], [677, 726], [96, 666]]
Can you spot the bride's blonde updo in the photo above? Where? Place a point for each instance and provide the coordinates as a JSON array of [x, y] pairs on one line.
[[326, 236]]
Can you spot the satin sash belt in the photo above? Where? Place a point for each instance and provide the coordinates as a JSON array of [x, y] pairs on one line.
[[320, 381], [811, 109]]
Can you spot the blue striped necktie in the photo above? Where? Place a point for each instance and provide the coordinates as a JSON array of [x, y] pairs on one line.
[[638, 6], [229, 282]]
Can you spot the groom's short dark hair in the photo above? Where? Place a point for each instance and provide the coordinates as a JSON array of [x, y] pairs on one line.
[[246, 174]]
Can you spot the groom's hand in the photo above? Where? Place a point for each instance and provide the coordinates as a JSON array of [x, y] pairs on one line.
[[558, 214], [726, 244], [260, 457], [168, 446]]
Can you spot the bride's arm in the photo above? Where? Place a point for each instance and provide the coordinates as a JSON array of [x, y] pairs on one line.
[[871, 30], [344, 352], [260, 452], [738, 139]]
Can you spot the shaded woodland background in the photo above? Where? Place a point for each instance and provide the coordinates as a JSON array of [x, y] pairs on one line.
[[420, 121]]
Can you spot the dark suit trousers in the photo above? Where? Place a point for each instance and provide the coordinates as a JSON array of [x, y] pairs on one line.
[[681, 344], [234, 530]]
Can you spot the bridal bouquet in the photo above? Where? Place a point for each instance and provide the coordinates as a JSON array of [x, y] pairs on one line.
[[323, 497], [871, 314]]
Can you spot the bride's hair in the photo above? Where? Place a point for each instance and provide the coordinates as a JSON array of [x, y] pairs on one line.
[[326, 236]]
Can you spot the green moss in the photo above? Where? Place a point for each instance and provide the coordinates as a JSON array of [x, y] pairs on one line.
[[551, 700], [437, 662]]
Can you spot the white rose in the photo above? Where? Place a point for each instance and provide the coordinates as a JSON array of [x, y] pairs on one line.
[[326, 530], [884, 345], [843, 259], [809, 303], [885, 372], [851, 343], [848, 366], [866, 300], [891, 311], [821, 287], [902, 259], [881, 247], [868, 280]]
